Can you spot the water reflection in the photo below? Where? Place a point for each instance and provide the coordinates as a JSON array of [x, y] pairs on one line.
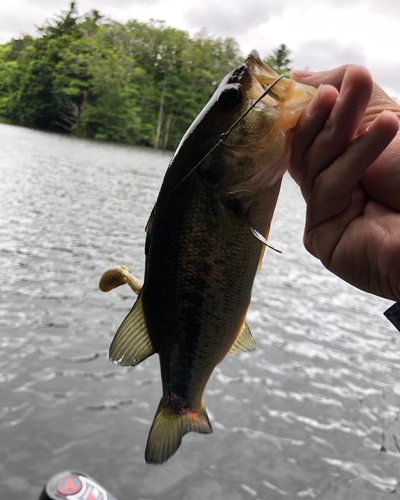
[[313, 413]]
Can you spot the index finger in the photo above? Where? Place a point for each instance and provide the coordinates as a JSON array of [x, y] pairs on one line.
[[332, 77]]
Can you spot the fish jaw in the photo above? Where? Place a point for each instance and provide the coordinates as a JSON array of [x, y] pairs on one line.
[[287, 96], [191, 297], [281, 107], [280, 110], [291, 110]]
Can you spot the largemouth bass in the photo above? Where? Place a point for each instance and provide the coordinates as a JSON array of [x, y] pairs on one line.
[[203, 246]]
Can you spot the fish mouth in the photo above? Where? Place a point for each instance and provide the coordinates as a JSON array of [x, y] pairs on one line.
[[263, 77], [281, 107], [283, 91]]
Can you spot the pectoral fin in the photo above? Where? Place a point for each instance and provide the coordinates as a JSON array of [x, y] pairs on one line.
[[245, 341], [132, 343], [258, 235], [261, 238]]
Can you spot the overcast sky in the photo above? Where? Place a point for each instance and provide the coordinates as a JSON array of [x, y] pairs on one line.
[[321, 34]]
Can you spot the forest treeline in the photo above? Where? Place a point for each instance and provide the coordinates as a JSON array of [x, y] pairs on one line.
[[139, 83]]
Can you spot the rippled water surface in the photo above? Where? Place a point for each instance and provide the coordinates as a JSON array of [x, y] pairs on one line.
[[314, 413]]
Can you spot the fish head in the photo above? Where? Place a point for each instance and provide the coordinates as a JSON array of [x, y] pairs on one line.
[[281, 106], [252, 154]]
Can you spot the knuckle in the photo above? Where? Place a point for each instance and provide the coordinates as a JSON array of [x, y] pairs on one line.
[[329, 129]]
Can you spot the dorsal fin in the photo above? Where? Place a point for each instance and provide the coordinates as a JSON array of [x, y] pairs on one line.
[[245, 341], [132, 343]]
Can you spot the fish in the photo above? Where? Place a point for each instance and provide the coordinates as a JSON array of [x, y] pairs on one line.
[[205, 241]]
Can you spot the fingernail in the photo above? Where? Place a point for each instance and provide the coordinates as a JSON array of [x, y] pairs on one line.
[[345, 86], [376, 123], [313, 106], [302, 74]]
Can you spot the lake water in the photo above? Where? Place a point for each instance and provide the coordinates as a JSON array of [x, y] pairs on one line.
[[313, 413]]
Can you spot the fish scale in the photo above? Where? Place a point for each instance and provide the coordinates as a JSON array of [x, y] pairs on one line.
[[204, 245], [198, 308]]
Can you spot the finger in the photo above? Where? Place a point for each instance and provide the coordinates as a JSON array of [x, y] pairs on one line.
[[382, 179], [333, 190], [340, 128], [379, 102], [379, 99], [332, 77], [308, 127]]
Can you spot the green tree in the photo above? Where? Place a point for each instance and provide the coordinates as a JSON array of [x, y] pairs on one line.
[[279, 60], [141, 83], [36, 99], [64, 23]]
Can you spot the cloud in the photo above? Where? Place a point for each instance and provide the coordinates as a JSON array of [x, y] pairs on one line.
[[229, 18], [12, 24], [322, 34], [389, 7], [232, 18], [387, 76], [118, 4], [321, 55], [21, 16]]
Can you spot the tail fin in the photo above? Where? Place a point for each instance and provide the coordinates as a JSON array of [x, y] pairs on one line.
[[168, 429]]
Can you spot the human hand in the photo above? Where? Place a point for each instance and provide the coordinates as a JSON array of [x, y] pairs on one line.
[[346, 159]]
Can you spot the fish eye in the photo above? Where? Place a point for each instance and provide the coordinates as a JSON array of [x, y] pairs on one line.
[[231, 96]]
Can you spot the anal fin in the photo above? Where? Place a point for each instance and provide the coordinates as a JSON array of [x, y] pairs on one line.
[[132, 343], [245, 341]]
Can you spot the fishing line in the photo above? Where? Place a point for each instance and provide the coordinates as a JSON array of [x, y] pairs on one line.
[[224, 135]]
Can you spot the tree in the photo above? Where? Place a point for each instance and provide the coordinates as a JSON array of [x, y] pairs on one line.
[[65, 25], [279, 60], [140, 83], [36, 98]]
